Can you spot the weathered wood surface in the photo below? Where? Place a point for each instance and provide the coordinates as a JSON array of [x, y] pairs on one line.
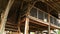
[[4, 16]]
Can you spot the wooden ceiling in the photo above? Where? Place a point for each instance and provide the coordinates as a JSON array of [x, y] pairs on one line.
[[3, 4], [55, 3]]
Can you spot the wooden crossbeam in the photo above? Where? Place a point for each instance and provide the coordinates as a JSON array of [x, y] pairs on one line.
[[37, 21], [11, 23]]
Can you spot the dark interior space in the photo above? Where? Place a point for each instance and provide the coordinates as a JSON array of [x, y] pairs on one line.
[[3, 4], [46, 8]]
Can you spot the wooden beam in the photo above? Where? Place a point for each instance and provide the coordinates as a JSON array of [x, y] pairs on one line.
[[51, 6], [10, 29], [38, 28], [27, 26], [4, 16], [11, 26], [22, 4], [33, 5], [8, 23], [37, 21]]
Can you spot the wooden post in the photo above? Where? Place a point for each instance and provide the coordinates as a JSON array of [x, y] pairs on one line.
[[49, 24], [19, 31], [4, 16], [48, 20], [27, 26], [27, 20], [59, 15], [36, 32], [41, 32]]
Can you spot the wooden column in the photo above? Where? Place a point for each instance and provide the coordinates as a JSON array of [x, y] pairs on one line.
[[4, 16], [19, 31], [59, 15], [27, 26], [48, 19], [41, 32], [49, 24]]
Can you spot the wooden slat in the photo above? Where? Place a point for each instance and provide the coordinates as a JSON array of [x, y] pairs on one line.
[[10, 26], [8, 29], [36, 27], [11, 23]]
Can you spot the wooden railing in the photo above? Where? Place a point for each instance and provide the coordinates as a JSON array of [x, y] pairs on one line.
[[40, 14]]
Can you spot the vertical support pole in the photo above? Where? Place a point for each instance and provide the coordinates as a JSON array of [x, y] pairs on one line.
[[26, 26], [19, 31], [59, 16], [36, 32], [49, 24], [4, 16], [48, 20], [37, 14], [41, 32], [27, 20]]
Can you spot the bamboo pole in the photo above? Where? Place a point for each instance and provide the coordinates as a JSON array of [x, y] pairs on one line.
[[4, 16]]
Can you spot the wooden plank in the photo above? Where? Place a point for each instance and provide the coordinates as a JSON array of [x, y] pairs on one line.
[[11, 23], [10, 26], [36, 27], [4, 17]]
